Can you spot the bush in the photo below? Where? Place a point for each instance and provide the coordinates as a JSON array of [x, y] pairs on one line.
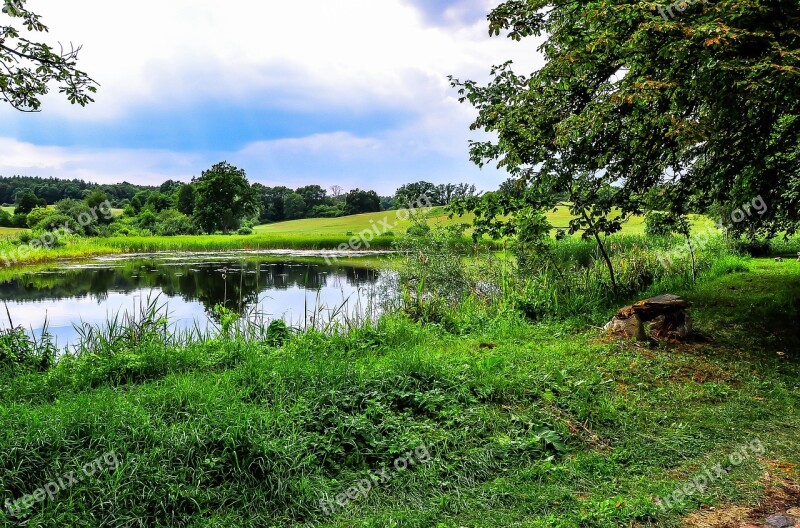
[[5, 218], [147, 219], [418, 229], [25, 237], [326, 211], [433, 274], [244, 230], [19, 221], [85, 220], [172, 223], [753, 248], [20, 353], [53, 221], [35, 216]]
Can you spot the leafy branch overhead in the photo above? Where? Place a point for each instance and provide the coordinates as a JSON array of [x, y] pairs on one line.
[[27, 67], [701, 104]]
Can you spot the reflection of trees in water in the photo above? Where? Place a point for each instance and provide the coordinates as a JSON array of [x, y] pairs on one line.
[[203, 282]]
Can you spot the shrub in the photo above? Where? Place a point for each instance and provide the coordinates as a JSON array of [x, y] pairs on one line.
[[19, 221], [54, 220], [277, 333], [36, 216], [327, 211], [21, 353], [25, 237], [418, 229], [754, 248], [172, 223], [433, 275], [147, 219]]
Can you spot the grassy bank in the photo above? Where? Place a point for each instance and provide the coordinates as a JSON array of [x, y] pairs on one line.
[[75, 248], [526, 424], [309, 234]]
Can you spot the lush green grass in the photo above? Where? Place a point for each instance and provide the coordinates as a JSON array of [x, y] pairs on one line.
[[535, 425], [437, 216], [76, 248], [9, 232], [398, 222]]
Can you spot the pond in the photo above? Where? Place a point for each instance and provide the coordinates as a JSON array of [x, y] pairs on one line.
[[299, 288]]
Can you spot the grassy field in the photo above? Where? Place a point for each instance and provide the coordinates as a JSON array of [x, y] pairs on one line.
[[437, 216], [9, 232], [496, 422], [397, 222], [309, 234]]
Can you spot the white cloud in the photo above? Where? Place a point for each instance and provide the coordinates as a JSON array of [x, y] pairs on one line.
[[355, 55], [304, 53], [96, 165]]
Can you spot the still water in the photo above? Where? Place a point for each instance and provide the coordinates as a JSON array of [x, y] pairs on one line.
[[303, 291]]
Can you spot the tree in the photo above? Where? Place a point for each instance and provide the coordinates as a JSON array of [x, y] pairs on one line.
[[358, 201], [273, 203], [336, 191], [224, 198], [185, 201], [387, 203], [158, 202], [28, 202], [313, 195], [96, 198], [28, 67], [410, 193], [169, 186], [704, 97], [294, 207]]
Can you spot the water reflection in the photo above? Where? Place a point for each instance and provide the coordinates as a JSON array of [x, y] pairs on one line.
[[294, 291]]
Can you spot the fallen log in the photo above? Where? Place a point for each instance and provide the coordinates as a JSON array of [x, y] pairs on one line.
[[666, 313]]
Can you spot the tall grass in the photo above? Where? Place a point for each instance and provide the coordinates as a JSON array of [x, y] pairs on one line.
[[252, 424], [563, 279]]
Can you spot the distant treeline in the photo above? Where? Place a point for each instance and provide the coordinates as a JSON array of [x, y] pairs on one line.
[[53, 190], [273, 204]]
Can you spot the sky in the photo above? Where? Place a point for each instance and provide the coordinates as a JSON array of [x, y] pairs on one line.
[[329, 92]]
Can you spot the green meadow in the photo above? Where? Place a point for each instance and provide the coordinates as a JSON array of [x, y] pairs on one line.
[[400, 221], [509, 422]]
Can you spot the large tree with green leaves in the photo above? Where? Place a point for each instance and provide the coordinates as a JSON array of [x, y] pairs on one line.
[[700, 100], [27, 67], [223, 198], [358, 202]]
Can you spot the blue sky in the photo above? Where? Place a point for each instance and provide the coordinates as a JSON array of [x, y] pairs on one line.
[[345, 92]]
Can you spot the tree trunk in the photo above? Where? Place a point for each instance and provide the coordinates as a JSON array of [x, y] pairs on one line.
[[603, 251], [694, 262]]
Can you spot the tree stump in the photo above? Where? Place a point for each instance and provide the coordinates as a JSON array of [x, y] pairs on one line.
[[666, 313]]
